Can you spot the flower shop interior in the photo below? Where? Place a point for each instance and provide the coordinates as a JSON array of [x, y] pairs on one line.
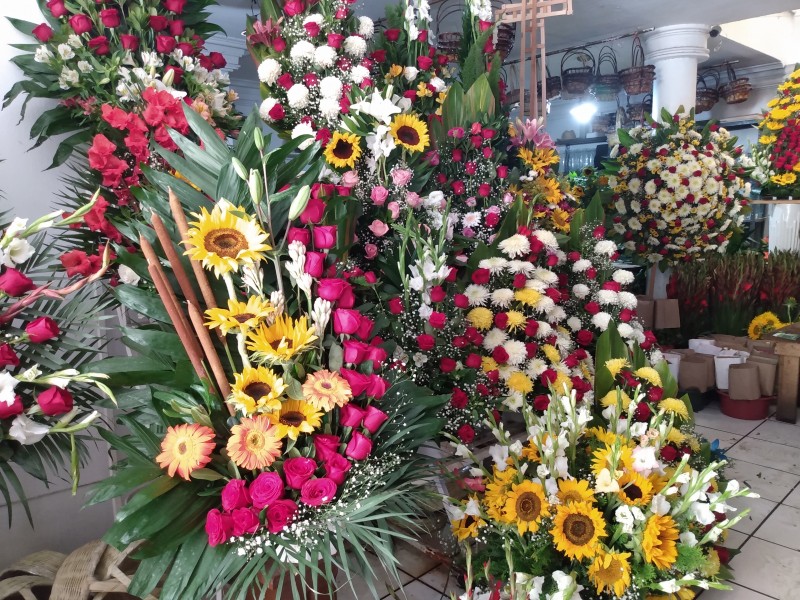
[[424, 299]]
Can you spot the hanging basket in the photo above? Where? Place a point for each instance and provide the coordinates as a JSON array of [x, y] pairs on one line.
[[576, 80], [636, 112], [553, 86], [506, 36], [737, 90], [639, 77], [513, 97], [448, 42], [606, 87], [604, 123], [707, 96]]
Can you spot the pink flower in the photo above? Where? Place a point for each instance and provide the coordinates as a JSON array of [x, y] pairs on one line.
[[15, 283], [324, 237], [377, 387], [456, 132], [365, 325], [374, 418], [280, 514], [57, 8], [394, 209], [110, 17], [378, 195], [298, 470], [402, 177], [245, 520], [413, 200], [349, 178], [351, 415], [266, 489], [355, 352], [370, 251], [42, 329], [360, 446], [235, 495], [175, 6], [379, 228], [336, 468], [314, 211], [332, 289], [346, 321], [11, 410], [316, 492], [298, 234], [359, 383], [315, 264], [219, 527], [8, 356], [326, 446]]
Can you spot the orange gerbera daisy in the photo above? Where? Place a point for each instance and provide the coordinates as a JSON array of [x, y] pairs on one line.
[[253, 443], [186, 448], [325, 389]]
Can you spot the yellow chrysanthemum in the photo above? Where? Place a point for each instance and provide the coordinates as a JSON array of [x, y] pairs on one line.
[[562, 383], [712, 566], [325, 390], [520, 382], [615, 365], [239, 316], [552, 353], [525, 506], [186, 448], [410, 132], [615, 396], [257, 390], [611, 571], [489, 364], [224, 241], [295, 417], [675, 407], [480, 318], [649, 374], [763, 324], [343, 150], [254, 443], [634, 489], [675, 436], [659, 541], [282, 340], [577, 530], [528, 296], [466, 528], [516, 320], [574, 490]]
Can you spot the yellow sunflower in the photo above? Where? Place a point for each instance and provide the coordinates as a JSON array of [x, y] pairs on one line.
[[530, 452], [577, 529], [634, 489], [239, 316], [603, 435], [295, 417], [538, 159], [526, 505], [467, 527], [324, 390], [282, 340], [410, 132], [649, 374], [224, 241], [762, 324], [257, 390], [561, 219], [496, 494], [611, 571], [574, 490], [603, 457], [659, 542], [675, 407], [343, 150], [254, 443], [615, 365], [186, 448], [480, 318]]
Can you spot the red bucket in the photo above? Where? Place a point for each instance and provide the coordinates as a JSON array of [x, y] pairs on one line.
[[748, 410]]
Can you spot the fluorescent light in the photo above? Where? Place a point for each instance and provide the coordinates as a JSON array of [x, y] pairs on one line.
[[584, 112]]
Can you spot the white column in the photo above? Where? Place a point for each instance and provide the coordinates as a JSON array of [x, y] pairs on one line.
[[676, 50]]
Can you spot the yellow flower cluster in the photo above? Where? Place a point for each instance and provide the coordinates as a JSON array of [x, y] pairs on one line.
[[779, 140]]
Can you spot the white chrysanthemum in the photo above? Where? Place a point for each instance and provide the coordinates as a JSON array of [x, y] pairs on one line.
[[410, 73], [536, 284], [546, 237], [514, 246], [634, 185], [297, 96], [330, 87], [535, 367], [581, 265], [605, 247], [625, 330], [324, 57], [266, 106], [366, 27], [358, 74], [606, 297], [315, 18], [503, 297], [574, 323], [269, 71], [580, 291], [520, 266], [494, 338], [557, 314], [517, 353], [601, 320], [329, 108], [622, 277], [545, 305], [627, 300], [304, 129], [495, 264], [634, 224], [471, 219], [544, 330], [302, 51], [650, 187], [545, 275], [477, 295], [355, 46]]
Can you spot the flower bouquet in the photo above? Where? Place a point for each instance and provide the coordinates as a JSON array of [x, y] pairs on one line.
[[677, 192], [619, 503]]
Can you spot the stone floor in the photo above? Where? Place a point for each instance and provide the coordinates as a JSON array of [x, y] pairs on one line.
[[766, 457]]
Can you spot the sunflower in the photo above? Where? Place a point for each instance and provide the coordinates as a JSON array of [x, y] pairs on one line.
[[526, 505], [343, 150], [659, 541], [254, 443], [186, 448], [295, 417], [324, 389], [674, 407], [410, 132], [612, 571], [615, 365], [496, 494], [223, 241], [538, 159], [467, 527], [577, 529], [603, 435], [634, 489], [282, 340], [530, 452], [239, 316], [574, 490], [649, 374], [764, 323], [561, 219], [480, 318], [257, 390]]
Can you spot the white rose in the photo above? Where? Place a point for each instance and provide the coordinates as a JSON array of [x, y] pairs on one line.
[[410, 73], [269, 71]]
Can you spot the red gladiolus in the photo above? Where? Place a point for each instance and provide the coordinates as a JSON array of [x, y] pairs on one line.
[[76, 262], [8, 357], [80, 24], [43, 32]]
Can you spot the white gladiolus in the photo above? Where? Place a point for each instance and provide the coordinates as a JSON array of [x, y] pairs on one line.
[[27, 431], [17, 252], [128, 275]]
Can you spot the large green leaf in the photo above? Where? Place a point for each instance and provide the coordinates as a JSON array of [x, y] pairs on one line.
[[144, 302]]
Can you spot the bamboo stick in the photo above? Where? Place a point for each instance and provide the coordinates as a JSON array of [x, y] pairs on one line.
[[174, 260], [211, 354]]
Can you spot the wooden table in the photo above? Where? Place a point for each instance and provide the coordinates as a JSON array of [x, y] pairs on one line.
[[788, 352]]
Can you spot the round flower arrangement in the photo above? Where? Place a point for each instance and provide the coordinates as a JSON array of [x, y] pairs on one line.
[[676, 192]]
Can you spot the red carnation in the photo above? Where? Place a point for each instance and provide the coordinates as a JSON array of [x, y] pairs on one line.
[[466, 433]]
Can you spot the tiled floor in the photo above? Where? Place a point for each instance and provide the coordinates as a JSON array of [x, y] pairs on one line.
[[766, 457]]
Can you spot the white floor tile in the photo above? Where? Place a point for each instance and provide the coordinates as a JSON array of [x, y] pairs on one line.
[[726, 439], [736, 593], [384, 583], [734, 540], [711, 417], [778, 433], [768, 568], [759, 511], [417, 590], [782, 527], [441, 578], [768, 483], [412, 561], [793, 499], [767, 454]]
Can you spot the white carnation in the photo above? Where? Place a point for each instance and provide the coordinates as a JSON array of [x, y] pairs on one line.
[[625, 330], [580, 291], [324, 57], [496, 264], [355, 46], [297, 96], [581, 265], [366, 27], [601, 320], [605, 247], [331, 87], [607, 297], [315, 18], [622, 277], [329, 108], [438, 84], [269, 71], [304, 129], [265, 107], [303, 51], [627, 300], [358, 74]]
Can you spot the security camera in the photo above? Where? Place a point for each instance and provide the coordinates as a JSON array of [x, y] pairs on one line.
[[715, 31]]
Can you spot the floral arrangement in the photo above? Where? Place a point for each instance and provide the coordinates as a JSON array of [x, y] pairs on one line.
[[44, 406], [777, 155], [677, 192], [621, 502], [764, 324]]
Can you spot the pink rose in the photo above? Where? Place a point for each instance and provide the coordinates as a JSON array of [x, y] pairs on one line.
[[315, 264], [484, 190], [377, 355], [42, 32], [42, 329], [266, 489], [298, 470], [280, 514], [336, 468], [15, 283], [413, 200], [110, 17], [358, 381], [176, 27], [57, 8], [370, 251], [374, 418], [55, 401], [365, 327], [313, 212], [298, 234], [377, 387], [360, 446], [245, 520], [326, 446], [130, 42], [80, 23], [355, 352], [394, 209], [165, 44], [324, 237], [351, 415], [402, 177], [8, 356], [378, 195], [335, 40], [175, 6], [346, 321], [332, 289], [11, 410], [235, 495], [312, 29], [316, 492], [350, 178], [293, 7], [379, 228], [219, 527]]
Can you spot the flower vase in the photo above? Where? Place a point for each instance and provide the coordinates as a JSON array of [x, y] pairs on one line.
[[784, 227]]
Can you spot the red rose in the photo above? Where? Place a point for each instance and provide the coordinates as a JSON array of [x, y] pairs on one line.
[[438, 294], [373, 418], [298, 234], [298, 470], [293, 7], [424, 62], [55, 401], [165, 44], [129, 42], [437, 320], [473, 361], [266, 489], [459, 399], [376, 387], [500, 355], [186, 47], [466, 433], [425, 342], [365, 328], [312, 29], [724, 554], [235, 495], [458, 187], [336, 468], [217, 60], [324, 237], [43, 32], [480, 276], [541, 402], [99, 45], [326, 446], [359, 447], [8, 357], [175, 6], [158, 22], [669, 453], [110, 17], [346, 321], [80, 24], [280, 514], [42, 329], [395, 306], [643, 412], [245, 520], [484, 190], [592, 308], [276, 113], [315, 264], [219, 527], [335, 40], [176, 27], [584, 337], [313, 212], [14, 283], [461, 301], [392, 35], [11, 410], [316, 492], [57, 8]]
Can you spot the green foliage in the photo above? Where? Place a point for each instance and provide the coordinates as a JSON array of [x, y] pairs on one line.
[[690, 559]]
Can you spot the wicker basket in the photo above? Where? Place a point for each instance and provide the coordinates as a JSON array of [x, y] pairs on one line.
[[606, 87], [639, 77], [513, 97], [553, 86], [737, 90], [636, 112], [604, 123], [576, 80], [506, 36], [707, 96]]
